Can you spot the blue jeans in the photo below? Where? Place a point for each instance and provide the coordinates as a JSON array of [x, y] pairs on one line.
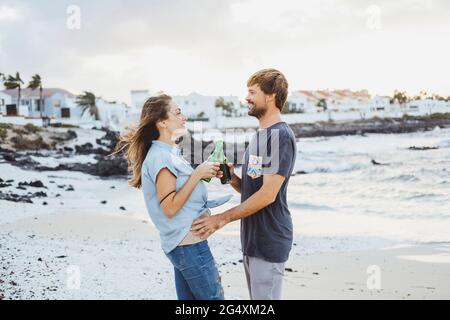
[[196, 274]]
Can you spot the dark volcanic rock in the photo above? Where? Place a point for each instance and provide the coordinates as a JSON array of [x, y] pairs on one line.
[[376, 163], [15, 197], [109, 140], [111, 166], [88, 148], [422, 148], [9, 157], [39, 194], [84, 148], [35, 184]]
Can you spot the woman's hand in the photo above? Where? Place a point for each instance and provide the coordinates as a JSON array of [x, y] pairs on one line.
[[206, 170]]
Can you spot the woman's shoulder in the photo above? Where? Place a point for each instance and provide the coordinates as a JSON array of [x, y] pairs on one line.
[[156, 155]]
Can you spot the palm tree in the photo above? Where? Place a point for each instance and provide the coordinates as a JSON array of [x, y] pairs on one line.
[[226, 106], [322, 103], [35, 83], [87, 102], [12, 83], [400, 97]]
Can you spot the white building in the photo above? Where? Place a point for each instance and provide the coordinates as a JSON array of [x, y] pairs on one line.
[[301, 103], [57, 103], [380, 103], [427, 106], [5, 99], [114, 115], [195, 106], [60, 107], [331, 100], [138, 98]]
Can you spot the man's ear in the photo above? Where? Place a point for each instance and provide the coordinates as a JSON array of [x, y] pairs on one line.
[[271, 97]]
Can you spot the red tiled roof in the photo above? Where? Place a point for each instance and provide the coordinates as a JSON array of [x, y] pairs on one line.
[[46, 92]]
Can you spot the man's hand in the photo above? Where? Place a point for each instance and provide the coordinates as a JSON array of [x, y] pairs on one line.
[[204, 227]]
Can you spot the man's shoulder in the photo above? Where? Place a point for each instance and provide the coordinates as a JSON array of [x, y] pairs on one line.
[[284, 131]]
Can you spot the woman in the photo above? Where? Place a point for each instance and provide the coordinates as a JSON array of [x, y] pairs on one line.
[[174, 195]]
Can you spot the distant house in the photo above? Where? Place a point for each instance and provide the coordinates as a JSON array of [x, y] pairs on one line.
[[113, 114], [57, 103], [335, 100], [194, 105], [138, 98], [5, 100], [301, 103], [380, 103], [427, 106]]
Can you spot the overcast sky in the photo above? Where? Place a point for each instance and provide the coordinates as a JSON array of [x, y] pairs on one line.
[[213, 46]]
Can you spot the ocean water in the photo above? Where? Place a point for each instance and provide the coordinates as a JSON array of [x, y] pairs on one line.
[[406, 198]]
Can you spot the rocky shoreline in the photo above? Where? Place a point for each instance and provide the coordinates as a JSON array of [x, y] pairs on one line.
[[406, 124], [21, 145]]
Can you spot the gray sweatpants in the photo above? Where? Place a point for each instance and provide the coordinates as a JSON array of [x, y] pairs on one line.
[[264, 278]]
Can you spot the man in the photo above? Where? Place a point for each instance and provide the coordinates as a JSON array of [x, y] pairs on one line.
[[266, 224]]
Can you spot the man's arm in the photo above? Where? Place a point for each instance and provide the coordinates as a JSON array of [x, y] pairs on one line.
[[259, 200]]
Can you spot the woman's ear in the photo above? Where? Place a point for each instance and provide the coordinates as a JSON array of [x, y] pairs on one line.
[[161, 124]]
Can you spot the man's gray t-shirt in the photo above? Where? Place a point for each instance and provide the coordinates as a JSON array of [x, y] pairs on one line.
[[268, 233]]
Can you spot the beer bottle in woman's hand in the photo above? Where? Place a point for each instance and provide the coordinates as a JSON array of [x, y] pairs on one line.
[[218, 155]]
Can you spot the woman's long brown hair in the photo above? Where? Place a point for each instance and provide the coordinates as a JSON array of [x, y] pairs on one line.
[[136, 143]]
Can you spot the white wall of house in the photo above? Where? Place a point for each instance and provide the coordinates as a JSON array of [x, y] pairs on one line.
[[20, 120], [301, 103], [427, 106], [138, 98], [380, 103], [196, 106], [22, 110], [113, 114], [5, 99]]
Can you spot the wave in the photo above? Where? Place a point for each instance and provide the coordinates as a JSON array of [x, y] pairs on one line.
[[308, 206], [403, 178], [329, 167]]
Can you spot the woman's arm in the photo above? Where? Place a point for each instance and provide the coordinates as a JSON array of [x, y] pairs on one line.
[[171, 200]]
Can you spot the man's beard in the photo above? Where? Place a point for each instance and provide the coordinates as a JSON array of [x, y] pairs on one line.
[[257, 112]]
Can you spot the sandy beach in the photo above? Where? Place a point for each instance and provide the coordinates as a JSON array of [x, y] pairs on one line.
[[118, 257]]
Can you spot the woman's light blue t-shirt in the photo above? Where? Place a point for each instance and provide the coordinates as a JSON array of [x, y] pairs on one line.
[[172, 231]]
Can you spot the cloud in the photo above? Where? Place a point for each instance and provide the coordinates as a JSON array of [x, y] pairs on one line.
[[8, 13], [212, 46]]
